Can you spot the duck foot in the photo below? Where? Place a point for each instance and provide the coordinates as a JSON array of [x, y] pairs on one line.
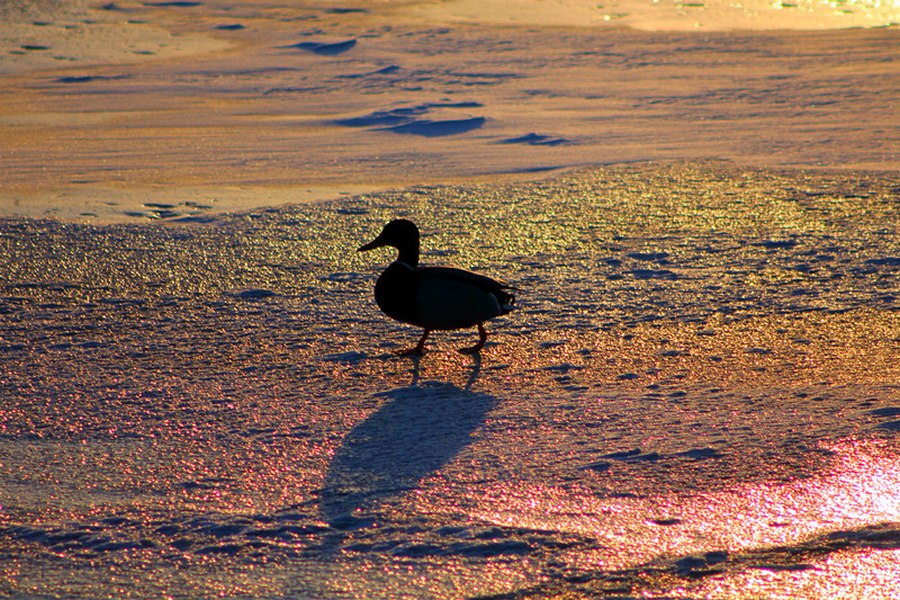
[[420, 347], [410, 352], [482, 338]]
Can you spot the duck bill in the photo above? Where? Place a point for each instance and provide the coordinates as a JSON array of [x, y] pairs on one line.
[[376, 243]]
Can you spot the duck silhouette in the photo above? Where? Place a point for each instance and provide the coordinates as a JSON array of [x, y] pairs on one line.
[[434, 298]]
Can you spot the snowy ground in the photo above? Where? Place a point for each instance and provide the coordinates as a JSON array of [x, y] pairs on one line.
[[697, 397], [255, 103]]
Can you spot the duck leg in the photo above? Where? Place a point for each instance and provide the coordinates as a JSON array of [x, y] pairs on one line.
[[420, 347], [482, 338]]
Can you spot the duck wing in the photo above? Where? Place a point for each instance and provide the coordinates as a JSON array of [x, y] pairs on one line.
[[448, 298], [481, 282]]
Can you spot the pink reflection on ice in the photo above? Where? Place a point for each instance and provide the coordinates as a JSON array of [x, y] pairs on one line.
[[861, 488], [861, 575]]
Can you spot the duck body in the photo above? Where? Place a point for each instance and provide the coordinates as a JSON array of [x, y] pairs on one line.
[[440, 298], [434, 298]]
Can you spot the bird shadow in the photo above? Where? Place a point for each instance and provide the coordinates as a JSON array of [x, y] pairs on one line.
[[419, 429]]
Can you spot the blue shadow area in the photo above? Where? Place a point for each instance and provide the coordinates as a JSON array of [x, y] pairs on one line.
[[420, 429]]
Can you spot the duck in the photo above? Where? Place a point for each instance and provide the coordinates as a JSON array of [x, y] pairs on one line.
[[434, 298]]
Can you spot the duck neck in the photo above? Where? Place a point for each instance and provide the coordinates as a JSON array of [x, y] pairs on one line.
[[409, 253]]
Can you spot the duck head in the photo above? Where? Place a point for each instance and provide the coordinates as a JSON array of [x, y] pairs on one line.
[[402, 235]]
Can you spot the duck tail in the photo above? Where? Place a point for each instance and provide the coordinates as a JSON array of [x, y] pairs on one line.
[[507, 302]]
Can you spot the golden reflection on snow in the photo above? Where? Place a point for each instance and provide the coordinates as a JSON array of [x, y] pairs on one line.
[[198, 410], [862, 488], [359, 579], [671, 15]]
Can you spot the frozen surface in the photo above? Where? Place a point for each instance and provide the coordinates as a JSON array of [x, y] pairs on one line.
[[698, 397], [148, 110], [669, 15]]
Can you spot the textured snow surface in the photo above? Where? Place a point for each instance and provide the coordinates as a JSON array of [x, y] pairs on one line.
[[698, 397]]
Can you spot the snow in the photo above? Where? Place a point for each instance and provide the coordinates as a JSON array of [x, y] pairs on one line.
[[697, 396], [217, 406]]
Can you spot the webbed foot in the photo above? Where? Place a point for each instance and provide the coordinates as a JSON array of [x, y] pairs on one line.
[[420, 347], [482, 338]]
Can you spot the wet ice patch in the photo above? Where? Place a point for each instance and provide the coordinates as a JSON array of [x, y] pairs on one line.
[[536, 139], [90, 78], [345, 357], [174, 4], [438, 128], [254, 295], [410, 120], [326, 48]]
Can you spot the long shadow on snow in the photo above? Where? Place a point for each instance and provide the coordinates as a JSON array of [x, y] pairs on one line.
[[421, 428]]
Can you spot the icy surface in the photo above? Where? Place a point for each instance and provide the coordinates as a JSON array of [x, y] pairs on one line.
[[698, 397], [153, 111]]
